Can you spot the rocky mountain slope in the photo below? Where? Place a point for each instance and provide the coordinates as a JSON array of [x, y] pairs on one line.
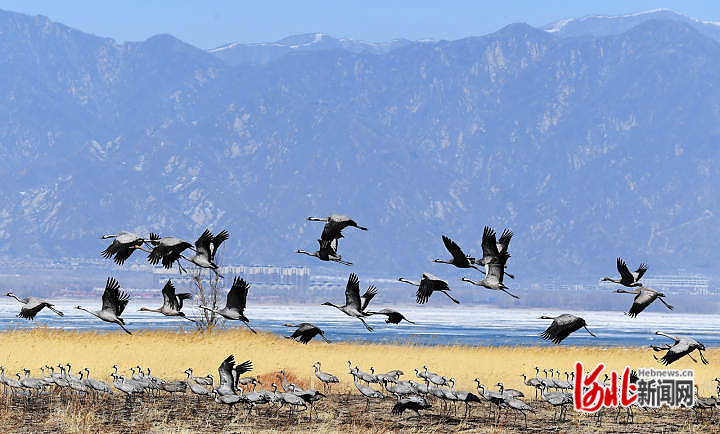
[[588, 147]]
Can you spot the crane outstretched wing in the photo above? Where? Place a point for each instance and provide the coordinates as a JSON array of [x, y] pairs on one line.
[[454, 249], [504, 241], [154, 238], [429, 284], [243, 367], [156, 254], [123, 300], [32, 307], [641, 271], [111, 294], [120, 251], [676, 352], [307, 333], [111, 250], [328, 247], [113, 299], [352, 292], [202, 245], [237, 296], [216, 241], [182, 296], [424, 292], [622, 268], [640, 302], [167, 250], [561, 328], [123, 253], [369, 294], [331, 231], [489, 245], [171, 255], [168, 293], [225, 372]]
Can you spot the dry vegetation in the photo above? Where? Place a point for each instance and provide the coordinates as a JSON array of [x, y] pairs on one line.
[[338, 413], [169, 353]]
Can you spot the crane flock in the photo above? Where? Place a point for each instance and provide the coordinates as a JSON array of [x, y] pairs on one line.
[[426, 391], [418, 394], [169, 250]]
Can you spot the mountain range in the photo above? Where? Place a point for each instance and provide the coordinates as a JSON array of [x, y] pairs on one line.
[[590, 140]]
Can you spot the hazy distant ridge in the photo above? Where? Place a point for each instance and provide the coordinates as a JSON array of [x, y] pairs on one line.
[[587, 147]]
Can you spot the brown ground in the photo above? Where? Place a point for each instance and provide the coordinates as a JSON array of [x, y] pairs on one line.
[[339, 412], [170, 353]]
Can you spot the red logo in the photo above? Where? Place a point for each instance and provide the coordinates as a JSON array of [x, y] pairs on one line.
[[591, 396]]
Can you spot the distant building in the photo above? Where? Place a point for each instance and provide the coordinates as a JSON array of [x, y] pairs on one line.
[[326, 284], [267, 281], [680, 283]]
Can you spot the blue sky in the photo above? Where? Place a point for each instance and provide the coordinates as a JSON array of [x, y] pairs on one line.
[[209, 24]]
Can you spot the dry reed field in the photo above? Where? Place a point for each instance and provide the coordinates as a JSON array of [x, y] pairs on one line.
[[168, 354]]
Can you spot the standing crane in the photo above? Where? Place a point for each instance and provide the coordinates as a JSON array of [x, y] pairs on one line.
[[194, 387], [532, 382], [402, 388], [556, 399], [511, 393], [203, 381], [515, 404], [97, 385], [364, 376], [493, 398], [326, 378], [28, 382], [367, 391], [424, 374], [229, 400], [463, 396]]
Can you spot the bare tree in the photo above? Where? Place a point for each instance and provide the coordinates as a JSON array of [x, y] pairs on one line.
[[206, 292]]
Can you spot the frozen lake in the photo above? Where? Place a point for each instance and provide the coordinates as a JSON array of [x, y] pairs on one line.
[[466, 325]]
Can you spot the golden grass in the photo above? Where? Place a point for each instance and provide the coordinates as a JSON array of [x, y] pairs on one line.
[[169, 353]]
